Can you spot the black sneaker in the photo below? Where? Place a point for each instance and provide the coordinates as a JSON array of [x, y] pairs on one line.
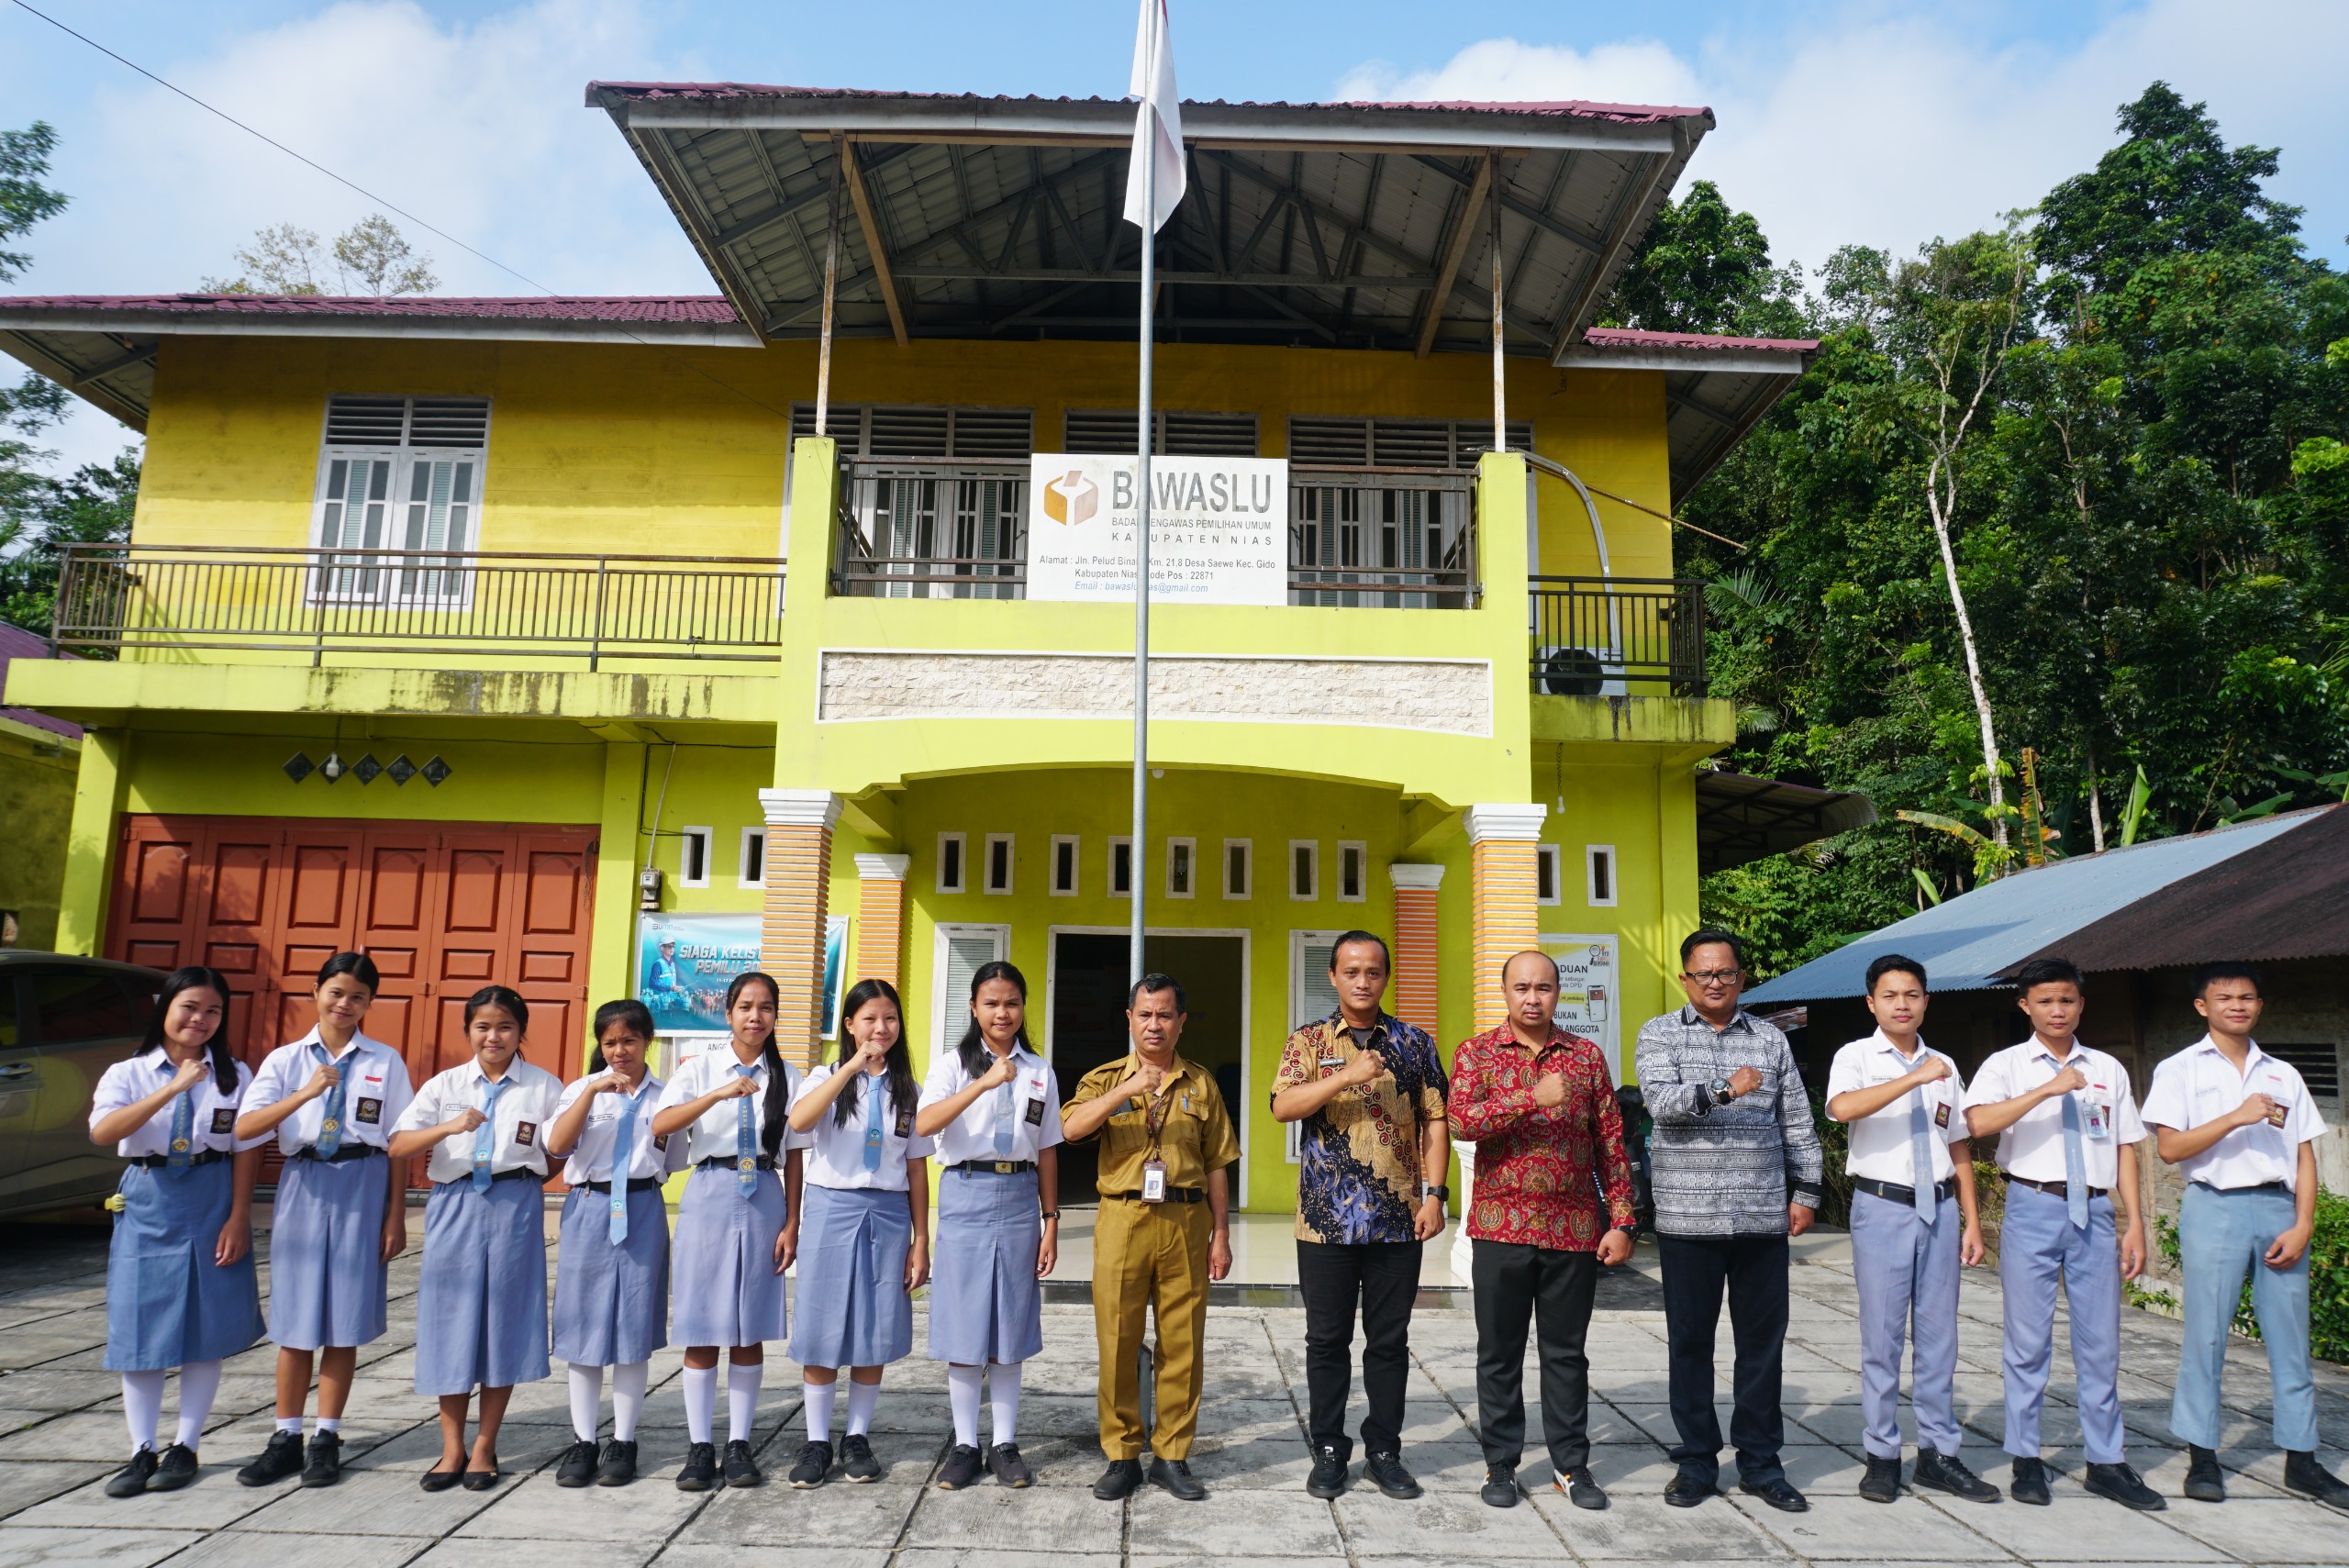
[[2029, 1484], [699, 1472], [281, 1459], [1500, 1490], [812, 1467], [131, 1479], [615, 1466], [578, 1467], [961, 1467], [1947, 1472], [2303, 1474], [742, 1469], [2204, 1481], [1581, 1489], [1881, 1484], [1327, 1479], [323, 1464], [1010, 1470], [175, 1470], [1386, 1472], [2122, 1484], [856, 1458]]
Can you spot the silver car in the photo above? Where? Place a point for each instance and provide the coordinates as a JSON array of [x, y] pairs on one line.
[[64, 1021]]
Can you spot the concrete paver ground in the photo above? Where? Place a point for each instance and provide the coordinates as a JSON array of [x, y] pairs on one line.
[[61, 1436]]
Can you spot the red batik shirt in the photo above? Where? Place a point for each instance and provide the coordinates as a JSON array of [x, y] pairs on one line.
[[1540, 1168]]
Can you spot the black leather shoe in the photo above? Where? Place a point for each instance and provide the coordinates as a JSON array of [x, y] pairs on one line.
[[175, 1470], [1386, 1472], [742, 1469], [699, 1472], [439, 1480], [1500, 1487], [2029, 1484], [322, 1465], [481, 1480], [2205, 1483], [131, 1479], [1686, 1491], [1882, 1482], [1947, 1472], [1779, 1493], [1581, 1490], [1121, 1480], [2303, 1474], [615, 1466], [578, 1466], [1175, 1475], [281, 1459], [1329, 1477], [2122, 1484]]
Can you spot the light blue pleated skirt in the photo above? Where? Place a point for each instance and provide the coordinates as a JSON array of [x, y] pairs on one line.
[[984, 1301], [167, 1302], [326, 1252], [480, 1297], [853, 1307], [723, 1287], [611, 1304]]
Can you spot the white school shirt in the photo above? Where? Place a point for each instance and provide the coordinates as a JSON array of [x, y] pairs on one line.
[[525, 1111], [2200, 1085], [214, 1125], [592, 1160], [2034, 1147], [836, 1157], [970, 1136], [1879, 1144], [713, 1135], [375, 1091]]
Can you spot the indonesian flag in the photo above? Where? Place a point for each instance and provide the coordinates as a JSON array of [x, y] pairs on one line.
[[1158, 122]]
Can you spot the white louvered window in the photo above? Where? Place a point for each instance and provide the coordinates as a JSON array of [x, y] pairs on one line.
[[961, 951], [1353, 441], [1176, 432], [399, 474]]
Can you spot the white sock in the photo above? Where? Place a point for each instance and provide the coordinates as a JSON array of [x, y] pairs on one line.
[[962, 1393], [701, 1401], [199, 1383], [587, 1401], [1003, 1390], [628, 1381], [290, 1423], [142, 1407], [818, 1412], [742, 1400], [330, 1424], [862, 1397]]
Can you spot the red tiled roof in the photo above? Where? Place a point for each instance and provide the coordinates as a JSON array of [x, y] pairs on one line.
[[1622, 113], [696, 309], [1631, 338]]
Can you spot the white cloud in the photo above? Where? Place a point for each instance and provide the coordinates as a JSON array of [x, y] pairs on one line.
[[1892, 128]]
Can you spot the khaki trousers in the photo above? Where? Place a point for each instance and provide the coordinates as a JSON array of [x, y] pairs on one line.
[[1153, 1256]]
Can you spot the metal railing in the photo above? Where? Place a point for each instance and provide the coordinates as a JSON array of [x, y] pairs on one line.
[[946, 529], [1386, 538], [123, 599], [1623, 636]]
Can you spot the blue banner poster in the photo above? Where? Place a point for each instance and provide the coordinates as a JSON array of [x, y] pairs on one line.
[[684, 963]]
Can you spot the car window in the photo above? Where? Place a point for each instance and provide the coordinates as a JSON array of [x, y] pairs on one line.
[[76, 1004], [8, 1035]]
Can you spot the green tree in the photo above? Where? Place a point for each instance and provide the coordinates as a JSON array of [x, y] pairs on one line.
[[371, 259]]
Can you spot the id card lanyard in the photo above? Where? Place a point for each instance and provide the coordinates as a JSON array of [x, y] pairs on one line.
[[1153, 1169]]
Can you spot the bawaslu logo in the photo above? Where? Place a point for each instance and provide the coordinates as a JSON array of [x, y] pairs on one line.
[[1072, 499]]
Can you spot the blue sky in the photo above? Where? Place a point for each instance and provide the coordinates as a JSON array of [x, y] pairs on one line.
[[1882, 121]]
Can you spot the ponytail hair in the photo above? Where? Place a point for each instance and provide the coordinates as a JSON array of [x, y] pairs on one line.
[[628, 1012], [196, 977], [902, 1088], [774, 1110], [973, 1047]]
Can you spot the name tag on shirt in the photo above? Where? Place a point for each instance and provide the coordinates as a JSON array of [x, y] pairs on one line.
[[1331, 1064], [2095, 1120], [661, 1141], [904, 1124], [224, 1119], [1036, 1111], [1940, 1114], [525, 1133], [369, 1111]]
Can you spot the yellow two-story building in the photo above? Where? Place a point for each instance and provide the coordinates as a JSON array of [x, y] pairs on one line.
[[501, 637]]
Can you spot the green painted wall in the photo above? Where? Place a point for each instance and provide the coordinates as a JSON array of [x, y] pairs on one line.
[[37, 774]]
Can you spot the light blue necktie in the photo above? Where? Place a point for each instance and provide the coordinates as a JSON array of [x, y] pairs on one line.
[[1921, 1155], [623, 1166], [486, 1136], [331, 1114], [2076, 1167], [746, 1134], [183, 1130], [872, 1123], [1003, 1100]]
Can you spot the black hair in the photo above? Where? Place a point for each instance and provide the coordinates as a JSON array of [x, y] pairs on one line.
[[2049, 971], [775, 1108], [1555, 975], [196, 976], [899, 1062], [1154, 982], [1893, 964], [628, 1011], [1704, 936], [2225, 968], [1386, 954], [973, 1047], [504, 997], [358, 965]]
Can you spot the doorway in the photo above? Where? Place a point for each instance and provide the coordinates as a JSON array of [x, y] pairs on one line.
[[1088, 1022]]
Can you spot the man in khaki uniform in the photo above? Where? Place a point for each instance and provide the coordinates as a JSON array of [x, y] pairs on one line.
[[1164, 1233]]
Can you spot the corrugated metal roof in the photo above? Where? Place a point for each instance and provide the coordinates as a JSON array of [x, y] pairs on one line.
[[1968, 941], [1621, 114], [706, 310]]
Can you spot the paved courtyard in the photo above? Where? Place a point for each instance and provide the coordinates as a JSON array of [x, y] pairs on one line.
[[61, 1415]]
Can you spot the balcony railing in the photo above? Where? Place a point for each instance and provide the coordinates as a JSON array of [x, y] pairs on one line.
[[1617, 637], [1387, 538], [116, 598]]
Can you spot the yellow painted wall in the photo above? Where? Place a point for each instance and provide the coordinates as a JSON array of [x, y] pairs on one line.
[[37, 772]]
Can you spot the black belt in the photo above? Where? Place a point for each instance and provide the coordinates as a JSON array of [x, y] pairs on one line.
[[2055, 1189], [518, 1174], [2259, 1187], [994, 1167], [734, 1163], [156, 1162], [1900, 1193], [635, 1185], [348, 1152], [1173, 1195]]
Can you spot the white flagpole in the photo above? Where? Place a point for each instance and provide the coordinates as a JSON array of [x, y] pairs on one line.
[[1134, 855]]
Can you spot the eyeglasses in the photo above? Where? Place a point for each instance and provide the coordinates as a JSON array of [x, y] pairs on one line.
[[1715, 976]]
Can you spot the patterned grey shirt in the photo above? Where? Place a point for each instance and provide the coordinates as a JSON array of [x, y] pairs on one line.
[[1725, 1169]]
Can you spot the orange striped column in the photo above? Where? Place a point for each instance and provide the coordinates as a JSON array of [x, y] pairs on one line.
[[1417, 962], [791, 935], [880, 918], [1503, 898]]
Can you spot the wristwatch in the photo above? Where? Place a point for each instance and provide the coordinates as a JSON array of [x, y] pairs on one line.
[[1440, 1193], [1721, 1095]]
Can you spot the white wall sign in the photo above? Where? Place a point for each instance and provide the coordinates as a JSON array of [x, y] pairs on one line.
[[1219, 528], [1588, 1001]]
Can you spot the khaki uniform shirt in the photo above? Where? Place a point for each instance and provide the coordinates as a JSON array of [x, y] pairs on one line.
[[1194, 1133]]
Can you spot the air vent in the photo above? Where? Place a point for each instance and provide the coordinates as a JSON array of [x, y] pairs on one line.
[[443, 422], [994, 432], [366, 421], [1179, 433], [1411, 443], [1099, 430], [1397, 443], [1314, 437], [449, 422], [910, 430]]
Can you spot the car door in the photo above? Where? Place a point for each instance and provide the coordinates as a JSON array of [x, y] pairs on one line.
[[19, 1090], [87, 1017]]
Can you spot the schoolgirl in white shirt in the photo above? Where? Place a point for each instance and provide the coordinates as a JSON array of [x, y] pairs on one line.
[[180, 1284]]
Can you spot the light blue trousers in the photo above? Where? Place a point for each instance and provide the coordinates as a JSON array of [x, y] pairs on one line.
[[1908, 1273], [2038, 1245], [2225, 1235]]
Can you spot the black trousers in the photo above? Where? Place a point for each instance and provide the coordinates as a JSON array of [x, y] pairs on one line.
[[1384, 1277], [1753, 1271], [1513, 1283]]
